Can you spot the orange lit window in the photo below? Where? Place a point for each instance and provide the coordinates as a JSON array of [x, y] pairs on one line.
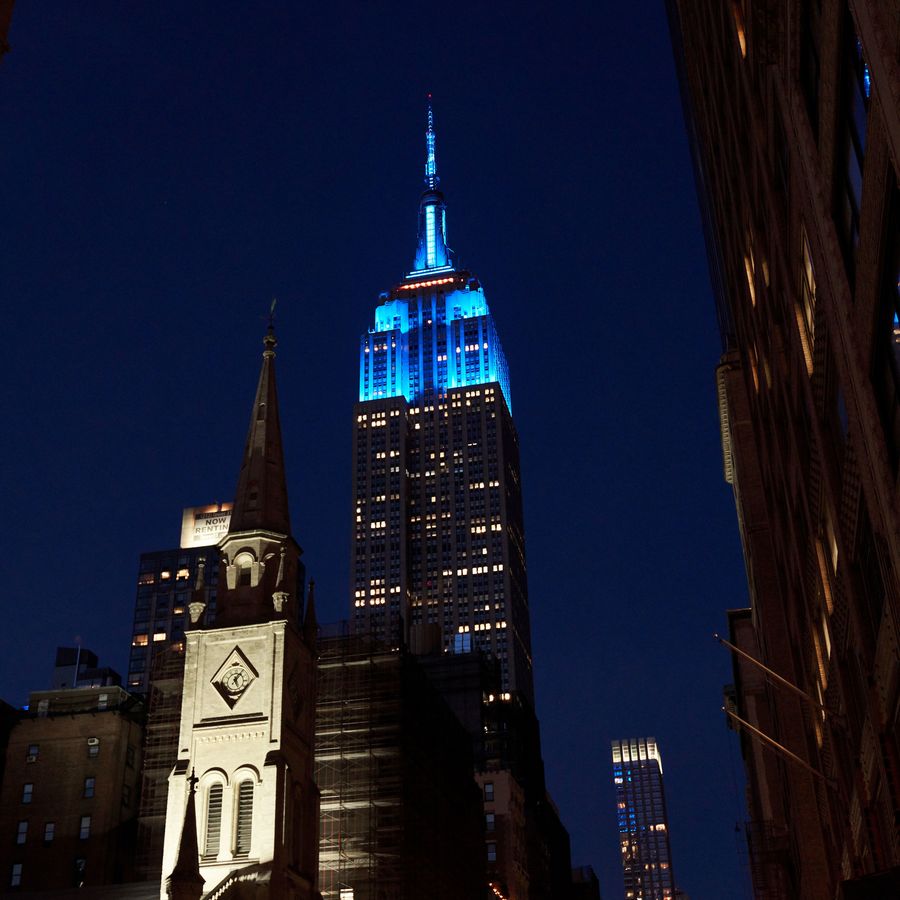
[[737, 10], [805, 310]]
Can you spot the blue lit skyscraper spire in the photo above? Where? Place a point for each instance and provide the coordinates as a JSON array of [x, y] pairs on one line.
[[432, 253], [431, 176]]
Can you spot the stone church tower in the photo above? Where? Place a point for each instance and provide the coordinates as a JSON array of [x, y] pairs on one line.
[[242, 815]]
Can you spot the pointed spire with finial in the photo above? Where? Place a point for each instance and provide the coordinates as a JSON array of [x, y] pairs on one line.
[[261, 501], [432, 252], [186, 882], [310, 623]]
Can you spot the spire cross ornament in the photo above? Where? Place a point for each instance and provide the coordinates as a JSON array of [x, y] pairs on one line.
[[269, 339]]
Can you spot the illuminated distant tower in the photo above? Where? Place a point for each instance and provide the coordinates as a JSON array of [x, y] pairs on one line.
[[643, 824], [439, 546]]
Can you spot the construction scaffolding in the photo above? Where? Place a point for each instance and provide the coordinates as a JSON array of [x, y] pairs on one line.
[[358, 768], [400, 811], [160, 753]]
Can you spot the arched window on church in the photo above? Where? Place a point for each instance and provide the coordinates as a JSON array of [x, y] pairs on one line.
[[213, 822], [244, 562], [244, 821]]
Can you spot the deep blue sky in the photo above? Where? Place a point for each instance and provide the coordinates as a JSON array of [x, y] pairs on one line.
[[168, 167]]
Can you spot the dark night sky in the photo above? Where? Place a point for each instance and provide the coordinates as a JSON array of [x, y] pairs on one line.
[[168, 167]]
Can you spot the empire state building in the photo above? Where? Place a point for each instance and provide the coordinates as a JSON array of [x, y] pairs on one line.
[[438, 537]]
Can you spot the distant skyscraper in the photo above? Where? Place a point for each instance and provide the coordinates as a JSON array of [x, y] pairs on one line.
[[165, 581], [793, 114], [643, 823], [438, 528]]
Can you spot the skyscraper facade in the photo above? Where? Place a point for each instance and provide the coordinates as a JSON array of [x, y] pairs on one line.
[[438, 526], [793, 113], [643, 823], [165, 581]]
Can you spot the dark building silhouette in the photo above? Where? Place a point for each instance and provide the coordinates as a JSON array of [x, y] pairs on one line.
[[6, 11], [79, 667], [585, 885], [793, 115]]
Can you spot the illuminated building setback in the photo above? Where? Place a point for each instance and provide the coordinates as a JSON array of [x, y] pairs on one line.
[[438, 527], [643, 824]]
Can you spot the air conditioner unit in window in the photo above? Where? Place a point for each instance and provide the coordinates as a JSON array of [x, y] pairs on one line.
[[32, 757], [93, 742]]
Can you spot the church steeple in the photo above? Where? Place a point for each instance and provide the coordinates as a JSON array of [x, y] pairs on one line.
[[432, 252], [248, 707], [186, 882], [261, 500], [262, 575]]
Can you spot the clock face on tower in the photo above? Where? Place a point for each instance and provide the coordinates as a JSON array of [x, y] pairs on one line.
[[234, 677], [236, 680]]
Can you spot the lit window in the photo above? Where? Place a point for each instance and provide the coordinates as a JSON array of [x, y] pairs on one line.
[[806, 311], [16, 877], [159, 636], [139, 640], [49, 832], [165, 575], [489, 791], [27, 792], [93, 746], [32, 754], [182, 575], [22, 832], [489, 822], [84, 828], [737, 11]]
